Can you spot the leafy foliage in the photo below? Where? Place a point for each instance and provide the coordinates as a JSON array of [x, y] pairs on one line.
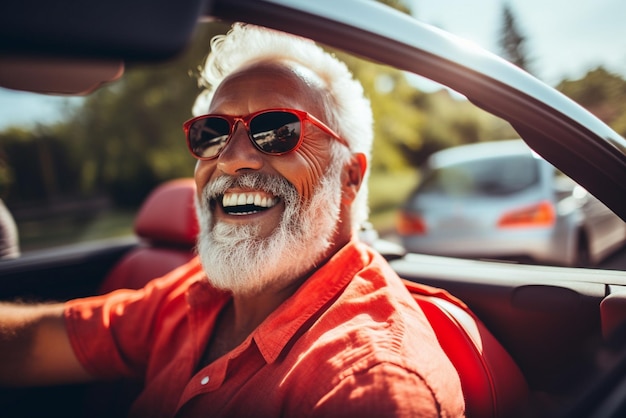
[[602, 93], [121, 142], [512, 41], [396, 4], [411, 124]]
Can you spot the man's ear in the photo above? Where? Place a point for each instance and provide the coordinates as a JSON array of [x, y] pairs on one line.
[[353, 176]]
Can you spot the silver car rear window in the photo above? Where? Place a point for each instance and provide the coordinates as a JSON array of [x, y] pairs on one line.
[[488, 177]]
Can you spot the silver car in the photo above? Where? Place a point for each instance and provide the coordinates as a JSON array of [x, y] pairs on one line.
[[500, 200]]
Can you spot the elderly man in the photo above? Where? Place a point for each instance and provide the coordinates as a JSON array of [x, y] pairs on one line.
[[284, 312]]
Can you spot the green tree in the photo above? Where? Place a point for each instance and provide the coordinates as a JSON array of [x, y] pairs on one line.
[[397, 4], [410, 124], [397, 121], [512, 41], [602, 93], [37, 167]]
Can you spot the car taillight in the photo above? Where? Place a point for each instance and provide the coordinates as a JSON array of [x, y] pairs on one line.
[[541, 214], [410, 224]]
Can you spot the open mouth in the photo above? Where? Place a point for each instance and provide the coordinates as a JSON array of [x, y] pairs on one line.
[[247, 203]]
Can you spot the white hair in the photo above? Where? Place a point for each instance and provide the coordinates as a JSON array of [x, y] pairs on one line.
[[347, 110]]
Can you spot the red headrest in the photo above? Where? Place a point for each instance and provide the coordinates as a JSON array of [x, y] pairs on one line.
[[168, 214]]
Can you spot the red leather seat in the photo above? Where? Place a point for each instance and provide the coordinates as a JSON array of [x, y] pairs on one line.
[[167, 226], [492, 383]]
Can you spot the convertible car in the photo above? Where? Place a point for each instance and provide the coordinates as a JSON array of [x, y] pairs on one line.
[[527, 340]]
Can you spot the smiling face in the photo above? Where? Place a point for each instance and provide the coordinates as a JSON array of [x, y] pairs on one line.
[[261, 214], [261, 87]]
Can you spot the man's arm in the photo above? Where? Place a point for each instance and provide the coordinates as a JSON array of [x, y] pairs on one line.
[[35, 347]]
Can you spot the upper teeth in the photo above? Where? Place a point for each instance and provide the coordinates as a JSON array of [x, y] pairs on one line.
[[240, 199]]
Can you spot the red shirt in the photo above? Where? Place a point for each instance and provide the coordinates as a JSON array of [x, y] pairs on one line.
[[350, 342]]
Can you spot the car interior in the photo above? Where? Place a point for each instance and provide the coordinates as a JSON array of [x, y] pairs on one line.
[[531, 341]]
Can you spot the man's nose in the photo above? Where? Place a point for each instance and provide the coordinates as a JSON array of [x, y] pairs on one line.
[[239, 154]]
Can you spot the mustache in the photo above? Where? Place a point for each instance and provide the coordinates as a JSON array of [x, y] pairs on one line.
[[274, 184]]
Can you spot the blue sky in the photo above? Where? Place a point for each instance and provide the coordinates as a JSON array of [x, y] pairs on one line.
[[565, 39], [22, 108]]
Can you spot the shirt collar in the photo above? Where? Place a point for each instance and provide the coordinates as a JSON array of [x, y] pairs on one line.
[[317, 291], [275, 332]]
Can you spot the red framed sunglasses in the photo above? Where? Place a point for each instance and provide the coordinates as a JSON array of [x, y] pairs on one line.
[[272, 131]]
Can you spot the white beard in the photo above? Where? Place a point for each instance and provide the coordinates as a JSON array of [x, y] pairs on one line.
[[237, 260]]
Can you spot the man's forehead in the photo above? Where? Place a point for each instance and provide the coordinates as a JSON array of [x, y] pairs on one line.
[[296, 79], [279, 68]]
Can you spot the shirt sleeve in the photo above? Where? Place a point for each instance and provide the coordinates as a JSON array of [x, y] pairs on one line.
[[385, 390], [112, 334]]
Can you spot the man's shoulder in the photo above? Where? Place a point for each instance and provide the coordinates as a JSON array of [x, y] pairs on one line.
[[374, 319], [376, 336]]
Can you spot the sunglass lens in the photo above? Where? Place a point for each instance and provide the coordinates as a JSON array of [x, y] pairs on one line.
[[276, 132], [208, 136]]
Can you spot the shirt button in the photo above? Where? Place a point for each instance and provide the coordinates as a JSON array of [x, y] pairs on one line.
[[204, 380]]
